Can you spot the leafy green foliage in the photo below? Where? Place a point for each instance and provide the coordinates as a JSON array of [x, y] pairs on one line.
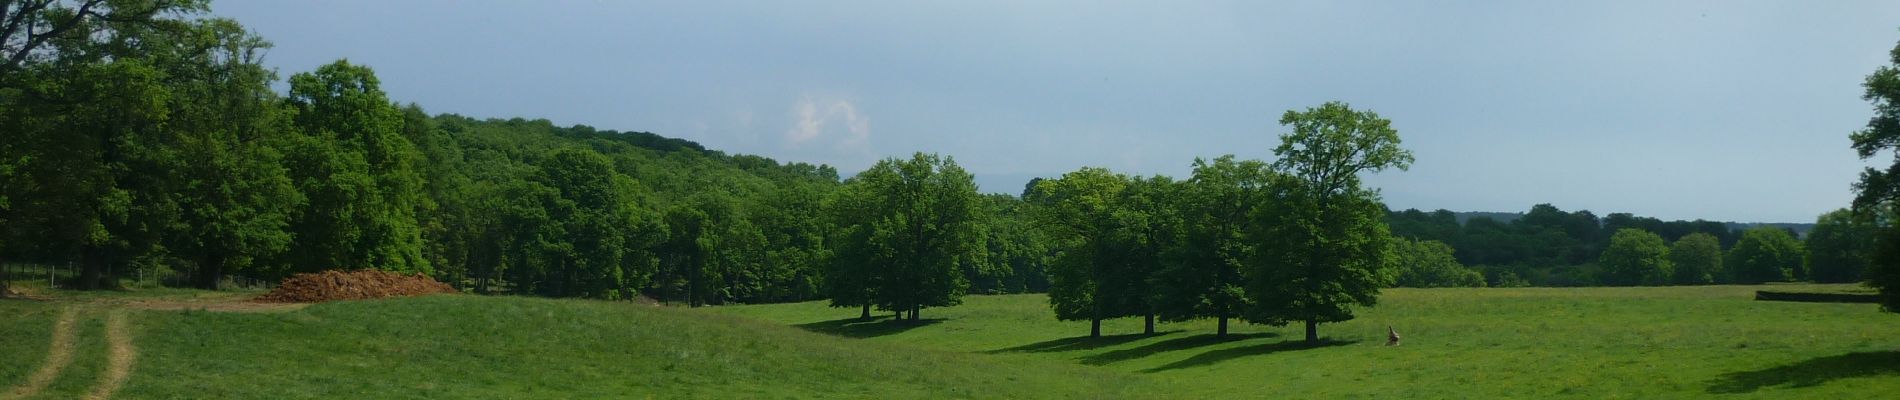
[[1765, 255], [1878, 191], [1636, 257], [912, 224], [596, 236], [358, 171], [714, 255], [1839, 247], [1111, 232], [102, 102], [1321, 242], [236, 196], [148, 137], [1697, 259], [1429, 264], [1203, 276], [1017, 255], [1546, 246]]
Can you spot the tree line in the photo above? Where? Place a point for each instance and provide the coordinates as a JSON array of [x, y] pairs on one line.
[[1552, 247], [145, 136]]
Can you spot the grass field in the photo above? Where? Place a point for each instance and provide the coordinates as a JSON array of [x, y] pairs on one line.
[[495, 347], [1459, 343]]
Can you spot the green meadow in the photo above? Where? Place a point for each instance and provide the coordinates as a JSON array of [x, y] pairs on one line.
[[1658, 342], [1665, 342]]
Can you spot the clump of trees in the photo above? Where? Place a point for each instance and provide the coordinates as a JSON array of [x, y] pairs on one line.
[[906, 227], [1110, 233], [1299, 240]]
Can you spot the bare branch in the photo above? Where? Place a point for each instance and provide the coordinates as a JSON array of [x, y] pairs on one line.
[[35, 40]]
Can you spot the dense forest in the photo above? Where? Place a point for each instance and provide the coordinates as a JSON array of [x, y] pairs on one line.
[[144, 138]]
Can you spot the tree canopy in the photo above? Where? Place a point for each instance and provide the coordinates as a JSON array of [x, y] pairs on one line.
[[1839, 246], [911, 224], [1202, 276], [1636, 257], [1429, 264], [1878, 191], [1321, 244], [1087, 280], [1697, 259], [1765, 255]]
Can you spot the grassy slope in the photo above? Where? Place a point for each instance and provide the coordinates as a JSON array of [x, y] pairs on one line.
[[1460, 343], [490, 347]]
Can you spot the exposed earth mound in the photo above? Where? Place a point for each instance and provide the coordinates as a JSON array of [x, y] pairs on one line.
[[352, 285]]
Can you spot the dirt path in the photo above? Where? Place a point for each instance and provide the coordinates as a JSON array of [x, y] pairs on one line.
[[58, 355], [123, 354]]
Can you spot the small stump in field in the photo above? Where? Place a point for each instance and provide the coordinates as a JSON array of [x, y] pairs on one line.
[[351, 285]]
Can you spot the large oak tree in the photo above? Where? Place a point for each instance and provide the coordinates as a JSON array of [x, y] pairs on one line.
[[1321, 243]]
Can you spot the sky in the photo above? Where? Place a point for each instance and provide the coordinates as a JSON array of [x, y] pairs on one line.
[[1719, 110]]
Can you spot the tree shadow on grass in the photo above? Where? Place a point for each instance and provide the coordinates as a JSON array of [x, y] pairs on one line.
[[1216, 356], [1076, 343], [859, 328], [1181, 343], [1811, 372]]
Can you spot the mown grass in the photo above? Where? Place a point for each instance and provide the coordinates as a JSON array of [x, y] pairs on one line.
[[24, 338], [506, 347], [1459, 343]]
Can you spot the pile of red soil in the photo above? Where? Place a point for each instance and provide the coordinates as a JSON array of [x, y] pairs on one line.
[[351, 285]]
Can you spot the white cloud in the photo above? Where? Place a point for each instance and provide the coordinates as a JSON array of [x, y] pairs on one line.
[[834, 121]]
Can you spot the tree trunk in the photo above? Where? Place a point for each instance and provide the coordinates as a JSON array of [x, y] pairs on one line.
[[1150, 328], [1312, 332], [866, 315], [1095, 328], [91, 268], [1223, 328], [211, 272], [692, 289]]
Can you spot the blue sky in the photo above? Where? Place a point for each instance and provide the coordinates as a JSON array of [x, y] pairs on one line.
[[1721, 110]]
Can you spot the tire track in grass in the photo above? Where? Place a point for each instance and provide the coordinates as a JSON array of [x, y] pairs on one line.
[[122, 355], [58, 355]]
